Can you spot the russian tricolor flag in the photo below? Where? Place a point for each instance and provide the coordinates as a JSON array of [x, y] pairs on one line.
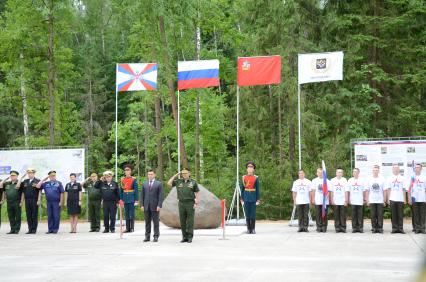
[[198, 74]]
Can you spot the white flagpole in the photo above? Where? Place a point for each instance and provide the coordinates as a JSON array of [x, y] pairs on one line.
[[238, 152], [178, 137], [116, 127], [299, 125]]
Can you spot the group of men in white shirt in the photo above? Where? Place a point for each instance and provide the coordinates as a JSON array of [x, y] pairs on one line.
[[374, 191]]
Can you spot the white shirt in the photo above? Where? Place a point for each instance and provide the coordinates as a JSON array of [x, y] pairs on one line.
[[375, 187], [418, 191], [356, 188], [397, 185], [317, 187], [302, 188], [338, 186]]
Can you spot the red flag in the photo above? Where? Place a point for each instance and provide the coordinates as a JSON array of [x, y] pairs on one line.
[[259, 70]]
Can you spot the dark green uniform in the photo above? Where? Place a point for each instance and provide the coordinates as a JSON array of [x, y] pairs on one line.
[[13, 196], [186, 195], [94, 205]]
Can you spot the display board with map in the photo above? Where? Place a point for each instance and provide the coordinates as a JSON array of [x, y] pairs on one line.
[[63, 161]]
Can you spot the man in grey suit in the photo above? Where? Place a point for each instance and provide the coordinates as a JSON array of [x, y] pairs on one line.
[[152, 201]]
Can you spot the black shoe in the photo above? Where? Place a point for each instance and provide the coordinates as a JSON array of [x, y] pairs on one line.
[[422, 232], [92, 230], [380, 231], [402, 231], [253, 231], [147, 240], [248, 232], [184, 240], [48, 232], [29, 232], [112, 231], [306, 230], [300, 230], [11, 232], [354, 231], [105, 231], [189, 240], [97, 230], [394, 231], [360, 231], [155, 239]]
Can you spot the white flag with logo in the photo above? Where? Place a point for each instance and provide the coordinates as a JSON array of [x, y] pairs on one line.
[[318, 67]]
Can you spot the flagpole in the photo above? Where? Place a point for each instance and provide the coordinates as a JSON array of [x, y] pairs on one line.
[[299, 125], [238, 152], [116, 127], [178, 128]]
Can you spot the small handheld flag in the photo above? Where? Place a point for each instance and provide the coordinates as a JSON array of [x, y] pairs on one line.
[[135, 77], [412, 182], [324, 191]]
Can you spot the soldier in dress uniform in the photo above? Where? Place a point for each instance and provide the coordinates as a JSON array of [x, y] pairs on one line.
[[250, 196], [129, 197]]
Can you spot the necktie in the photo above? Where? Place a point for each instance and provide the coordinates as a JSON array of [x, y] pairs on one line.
[[150, 185]]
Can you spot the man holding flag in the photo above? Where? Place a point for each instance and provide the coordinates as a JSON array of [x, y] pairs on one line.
[[319, 189], [417, 199]]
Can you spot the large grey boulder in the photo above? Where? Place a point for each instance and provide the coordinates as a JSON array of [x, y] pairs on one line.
[[207, 214]]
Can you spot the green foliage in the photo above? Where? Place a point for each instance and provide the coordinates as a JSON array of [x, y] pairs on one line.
[[382, 94]]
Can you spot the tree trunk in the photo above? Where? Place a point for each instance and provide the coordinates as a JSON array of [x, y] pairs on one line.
[[170, 84], [51, 77], [24, 102], [160, 172]]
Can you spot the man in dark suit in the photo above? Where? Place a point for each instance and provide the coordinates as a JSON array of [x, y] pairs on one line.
[[152, 201]]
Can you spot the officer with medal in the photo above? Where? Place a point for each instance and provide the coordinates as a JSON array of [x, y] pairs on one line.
[[14, 198], [188, 195]]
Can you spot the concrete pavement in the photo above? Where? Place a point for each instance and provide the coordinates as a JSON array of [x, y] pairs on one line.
[[276, 253]]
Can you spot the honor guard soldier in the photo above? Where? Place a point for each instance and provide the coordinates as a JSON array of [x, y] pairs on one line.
[[356, 195], [396, 188], [129, 197], [376, 197], [32, 197], [94, 202], [417, 200], [250, 196], [187, 193], [301, 198], [338, 200], [110, 197], [54, 192], [318, 200], [14, 198], [73, 194]]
